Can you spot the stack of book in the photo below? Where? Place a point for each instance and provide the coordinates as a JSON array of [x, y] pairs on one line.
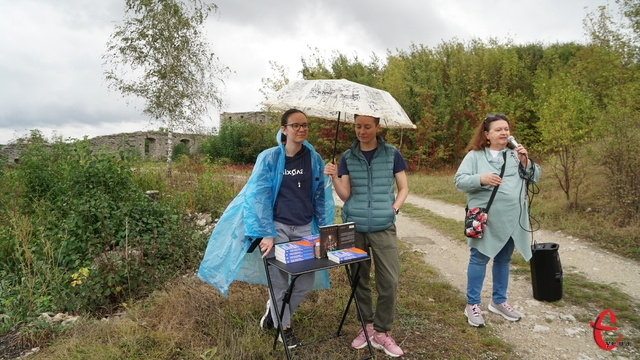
[[344, 255], [336, 237], [295, 251]]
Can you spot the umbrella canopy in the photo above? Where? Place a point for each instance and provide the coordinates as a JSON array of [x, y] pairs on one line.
[[328, 99]]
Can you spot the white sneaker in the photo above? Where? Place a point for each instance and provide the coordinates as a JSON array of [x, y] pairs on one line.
[[266, 322], [505, 310], [474, 315]]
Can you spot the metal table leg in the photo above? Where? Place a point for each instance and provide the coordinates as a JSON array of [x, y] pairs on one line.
[[286, 299]]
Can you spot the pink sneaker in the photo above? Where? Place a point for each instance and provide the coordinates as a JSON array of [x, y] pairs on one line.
[[382, 341], [361, 341]]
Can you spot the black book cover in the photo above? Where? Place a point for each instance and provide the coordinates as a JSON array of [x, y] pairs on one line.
[[346, 235], [328, 239]]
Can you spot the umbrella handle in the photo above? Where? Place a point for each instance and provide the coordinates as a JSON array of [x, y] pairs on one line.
[[335, 140]]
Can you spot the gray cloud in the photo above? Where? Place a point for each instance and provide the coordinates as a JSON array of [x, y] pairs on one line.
[[392, 24]]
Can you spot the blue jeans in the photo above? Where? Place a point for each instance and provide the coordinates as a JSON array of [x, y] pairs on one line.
[[500, 271]]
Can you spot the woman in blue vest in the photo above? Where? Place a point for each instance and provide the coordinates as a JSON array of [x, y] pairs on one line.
[[364, 181], [508, 218]]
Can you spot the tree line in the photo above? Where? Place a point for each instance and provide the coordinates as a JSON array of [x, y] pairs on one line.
[[574, 105]]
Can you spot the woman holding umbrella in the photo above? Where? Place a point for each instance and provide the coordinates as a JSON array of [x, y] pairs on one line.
[[364, 181]]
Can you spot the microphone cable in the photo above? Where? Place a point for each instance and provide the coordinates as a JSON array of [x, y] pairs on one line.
[[532, 190]]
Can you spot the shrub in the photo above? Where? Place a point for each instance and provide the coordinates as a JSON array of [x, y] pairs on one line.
[[179, 150], [621, 162], [240, 141], [81, 235]]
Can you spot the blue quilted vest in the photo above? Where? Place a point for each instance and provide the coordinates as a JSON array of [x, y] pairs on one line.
[[371, 203]]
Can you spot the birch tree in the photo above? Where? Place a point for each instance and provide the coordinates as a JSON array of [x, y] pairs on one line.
[[159, 53]]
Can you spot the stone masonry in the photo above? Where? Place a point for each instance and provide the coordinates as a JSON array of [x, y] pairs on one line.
[[151, 144], [257, 117]]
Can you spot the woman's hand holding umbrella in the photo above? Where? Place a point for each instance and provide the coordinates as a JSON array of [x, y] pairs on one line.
[[331, 170]]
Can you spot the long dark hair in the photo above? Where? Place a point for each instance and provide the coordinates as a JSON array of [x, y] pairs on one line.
[[478, 140], [284, 119]]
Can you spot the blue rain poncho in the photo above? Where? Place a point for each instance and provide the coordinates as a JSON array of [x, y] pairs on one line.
[[250, 216]]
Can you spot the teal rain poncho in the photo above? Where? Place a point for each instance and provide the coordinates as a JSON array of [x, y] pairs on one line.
[[250, 216]]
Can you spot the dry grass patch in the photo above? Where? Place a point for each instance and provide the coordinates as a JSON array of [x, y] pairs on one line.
[[191, 320]]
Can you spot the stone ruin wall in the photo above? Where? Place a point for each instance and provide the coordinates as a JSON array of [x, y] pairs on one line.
[[157, 140], [156, 149], [11, 151], [258, 117]]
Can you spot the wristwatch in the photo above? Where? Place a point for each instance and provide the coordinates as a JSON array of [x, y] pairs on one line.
[[396, 209]]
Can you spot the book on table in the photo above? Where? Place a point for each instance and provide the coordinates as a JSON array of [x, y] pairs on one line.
[[288, 259], [294, 251], [310, 238], [328, 239], [346, 235], [336, 237], [343, 255]]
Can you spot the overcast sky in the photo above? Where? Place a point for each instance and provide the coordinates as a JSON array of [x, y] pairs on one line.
[[51, 75]]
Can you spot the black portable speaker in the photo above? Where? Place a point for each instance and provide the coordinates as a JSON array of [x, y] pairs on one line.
[[546, 272]]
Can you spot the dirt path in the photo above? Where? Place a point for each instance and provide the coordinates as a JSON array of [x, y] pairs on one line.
[[546, 331], [576, 255]]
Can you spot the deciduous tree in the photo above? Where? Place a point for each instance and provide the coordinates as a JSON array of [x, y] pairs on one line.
[[160, 53], [566, 123]]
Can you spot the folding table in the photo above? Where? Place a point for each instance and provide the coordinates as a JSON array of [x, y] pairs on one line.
[[303, 267]]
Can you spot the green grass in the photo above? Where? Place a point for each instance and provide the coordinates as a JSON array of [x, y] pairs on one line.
[[436, 186], [191, 320]]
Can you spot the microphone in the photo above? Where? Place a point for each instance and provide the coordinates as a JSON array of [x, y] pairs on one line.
[[512, 143]]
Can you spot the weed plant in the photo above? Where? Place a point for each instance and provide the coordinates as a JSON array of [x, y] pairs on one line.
[[79, 235]]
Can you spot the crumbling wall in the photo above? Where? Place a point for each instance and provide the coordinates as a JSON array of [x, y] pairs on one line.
[[149, 144], [12, 152], [256, 117]]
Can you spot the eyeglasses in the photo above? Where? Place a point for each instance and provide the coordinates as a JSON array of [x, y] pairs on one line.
[[493, 116], [296, 126]]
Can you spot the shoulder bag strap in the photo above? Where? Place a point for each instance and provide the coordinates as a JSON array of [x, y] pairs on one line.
[[495, 189]]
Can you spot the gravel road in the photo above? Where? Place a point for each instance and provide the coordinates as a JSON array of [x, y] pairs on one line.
[[547, 331]]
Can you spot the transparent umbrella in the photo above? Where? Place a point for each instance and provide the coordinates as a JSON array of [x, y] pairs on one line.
[[330, 99]]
